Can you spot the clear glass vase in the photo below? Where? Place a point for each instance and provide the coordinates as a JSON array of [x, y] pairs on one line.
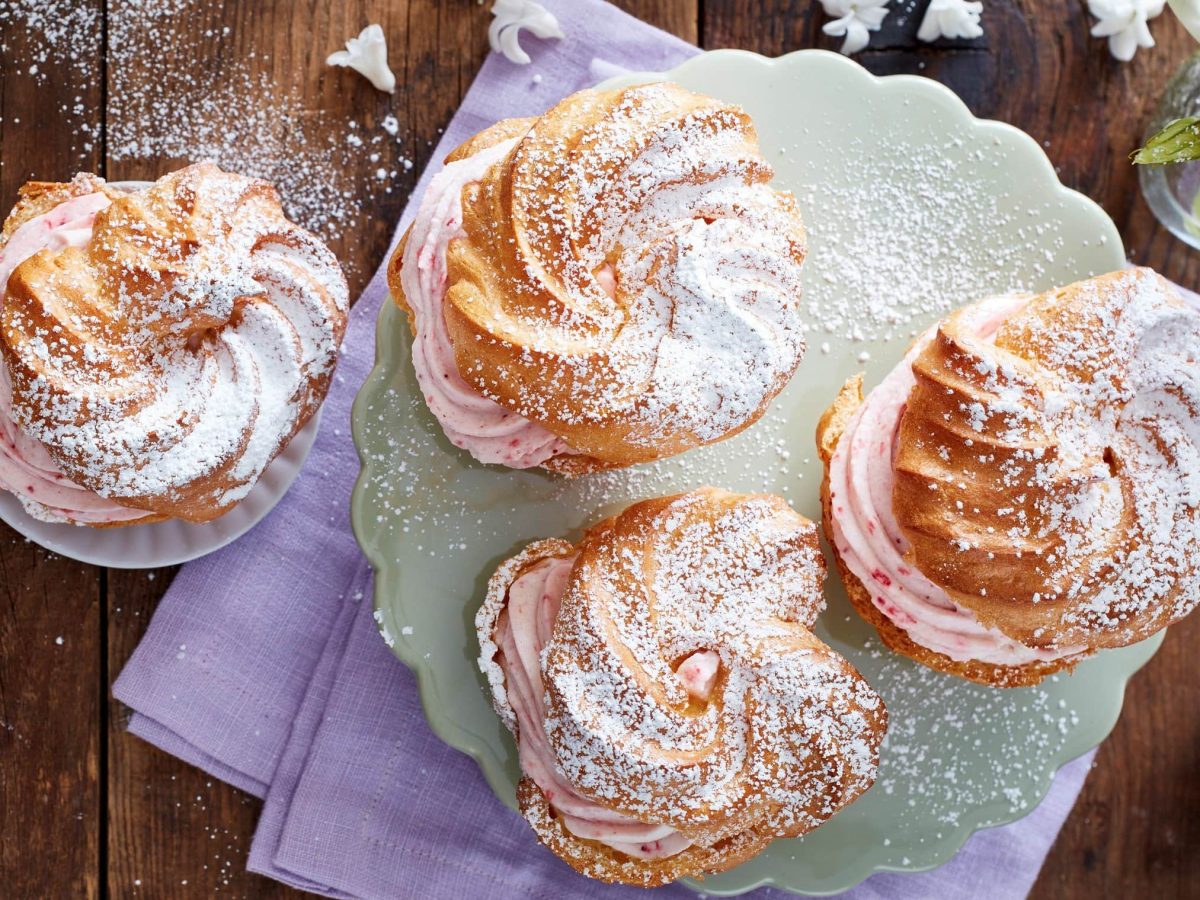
[[1173, 190]]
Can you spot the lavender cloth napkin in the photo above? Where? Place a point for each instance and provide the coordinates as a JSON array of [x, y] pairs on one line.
[[263, 667]]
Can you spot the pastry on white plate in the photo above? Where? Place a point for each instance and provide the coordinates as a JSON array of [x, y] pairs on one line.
[[158, 348]]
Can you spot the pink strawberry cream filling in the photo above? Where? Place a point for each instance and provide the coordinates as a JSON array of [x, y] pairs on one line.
[[522, 632], [870, 542], [26, 468], [482, 427]]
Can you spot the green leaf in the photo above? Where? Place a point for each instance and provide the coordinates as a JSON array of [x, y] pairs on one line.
[[1178, 142]]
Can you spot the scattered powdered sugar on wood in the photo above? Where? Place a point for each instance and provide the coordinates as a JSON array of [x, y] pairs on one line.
[[59, 33], [179, 93]]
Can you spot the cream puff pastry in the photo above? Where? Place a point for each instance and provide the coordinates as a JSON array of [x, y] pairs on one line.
[[610, 283], [158, 348], [672, 708], [1024, 488]]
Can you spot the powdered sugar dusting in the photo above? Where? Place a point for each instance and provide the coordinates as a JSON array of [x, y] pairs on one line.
[[1076, 501], [790, 732], [869, 543], [1026, 727], [883, 277], [642, 284], [166, 360], [515, 624], [238, 113]]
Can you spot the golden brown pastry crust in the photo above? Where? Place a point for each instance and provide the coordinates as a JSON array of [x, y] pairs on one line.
[[1069, 452], [539, 337], [1044, 469], [108, 304], [829, 432], [599, 861], [793, 799], [34, 198], [489, 137], [571, 464]]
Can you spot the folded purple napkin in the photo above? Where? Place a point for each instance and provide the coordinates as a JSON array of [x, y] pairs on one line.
[[263, 667]]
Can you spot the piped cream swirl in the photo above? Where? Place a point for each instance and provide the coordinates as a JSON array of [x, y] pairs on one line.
[[523, 630], [871, 542], [482, 427]]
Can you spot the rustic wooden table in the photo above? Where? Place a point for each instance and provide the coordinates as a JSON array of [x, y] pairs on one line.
[[129, 89]]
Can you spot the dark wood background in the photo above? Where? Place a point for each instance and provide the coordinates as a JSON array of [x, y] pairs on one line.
[[87, 810]]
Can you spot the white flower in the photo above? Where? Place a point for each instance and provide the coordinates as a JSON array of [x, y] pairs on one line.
[[367, 55], [1123, 22], [1188, 12], [855, 19], [513, 16], [951, 19]]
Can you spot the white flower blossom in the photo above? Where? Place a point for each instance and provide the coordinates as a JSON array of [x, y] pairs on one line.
[[951, 19], [1188, 12], [1123, 22], [855, 19], [514, 16], [367, 55]]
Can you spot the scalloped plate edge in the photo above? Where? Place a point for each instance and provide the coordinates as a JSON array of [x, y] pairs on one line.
[[383, 370]]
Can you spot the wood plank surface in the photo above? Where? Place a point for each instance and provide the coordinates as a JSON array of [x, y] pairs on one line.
[[52, 678], [113, 813]]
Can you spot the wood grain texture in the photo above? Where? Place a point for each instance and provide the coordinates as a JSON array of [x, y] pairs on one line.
[[112, 812], [173, 830], [52, 681], [51, 691], [1133, 832]]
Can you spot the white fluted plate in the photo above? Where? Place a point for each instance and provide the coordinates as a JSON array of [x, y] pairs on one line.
[[175, 541], [172, 542]]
